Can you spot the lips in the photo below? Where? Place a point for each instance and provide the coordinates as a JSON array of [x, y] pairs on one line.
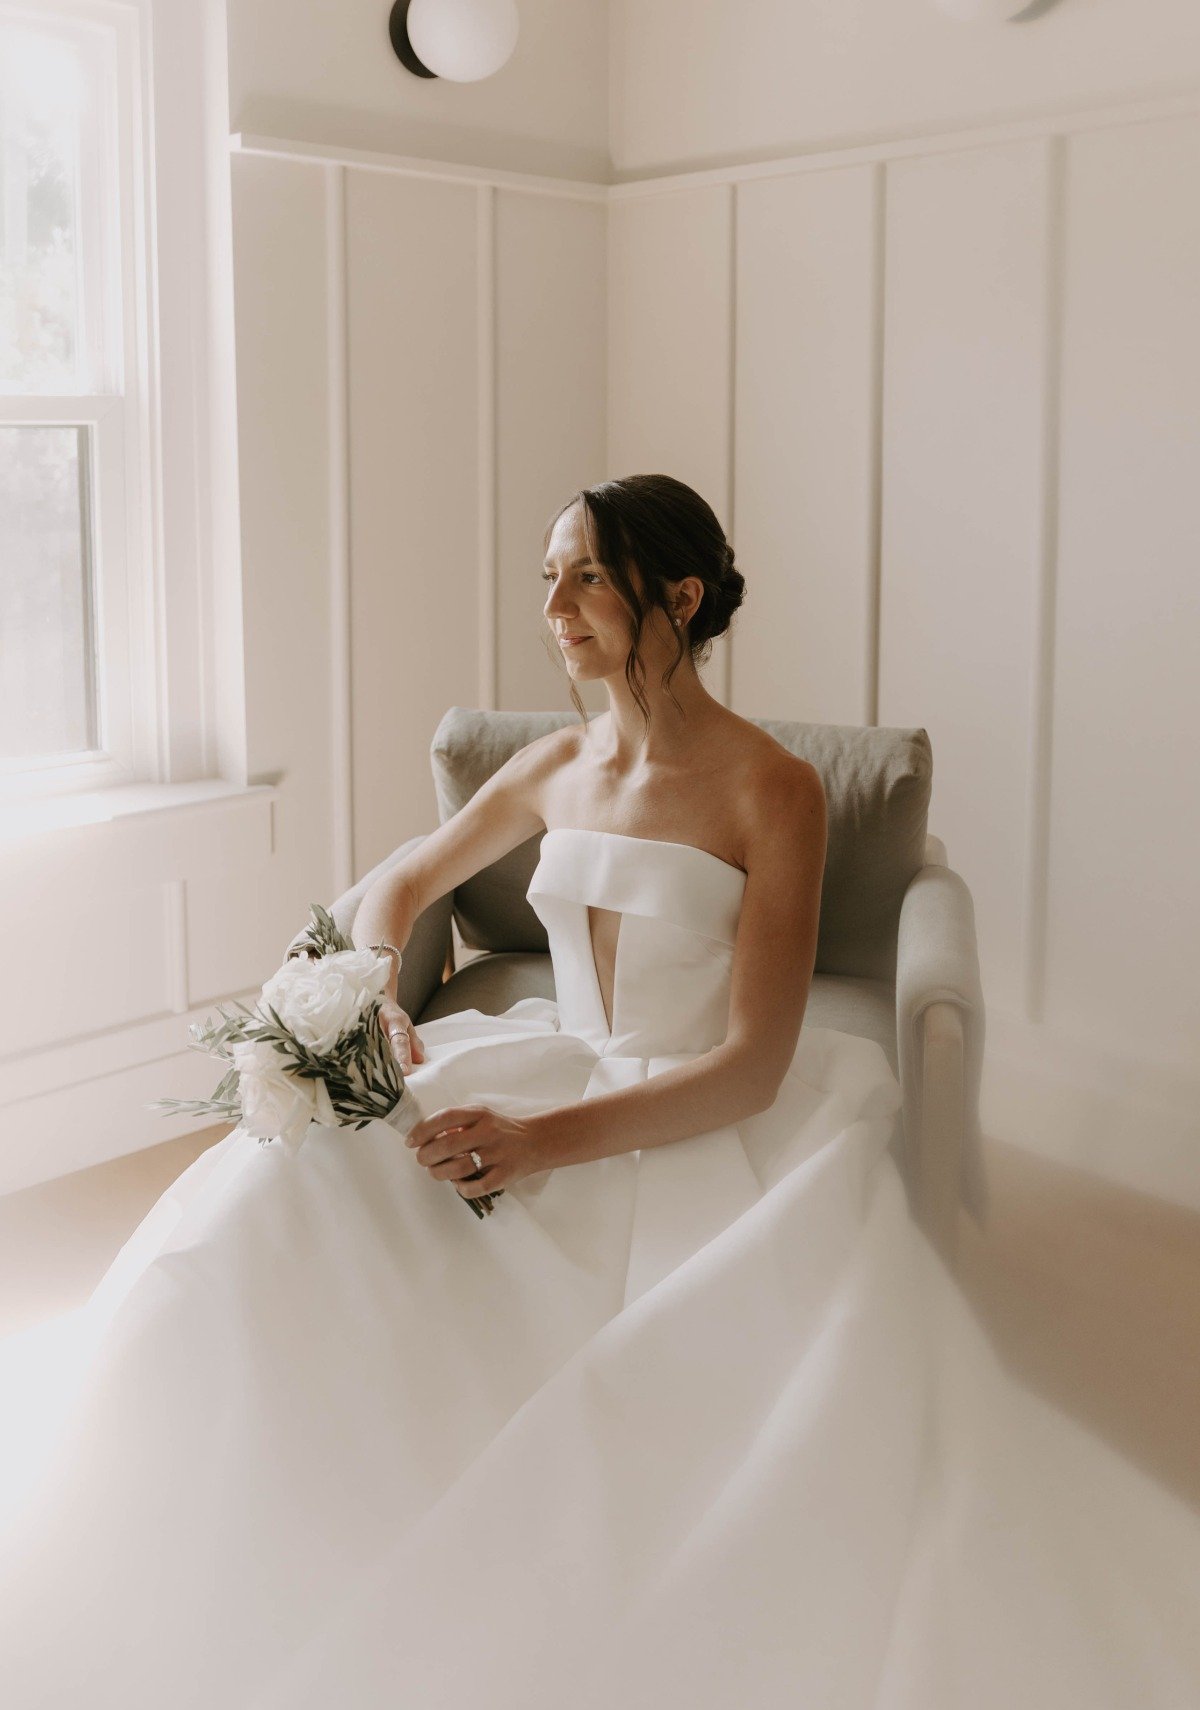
[[572, 640]]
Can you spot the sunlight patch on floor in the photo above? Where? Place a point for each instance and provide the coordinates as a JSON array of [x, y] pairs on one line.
[[40, 1372]]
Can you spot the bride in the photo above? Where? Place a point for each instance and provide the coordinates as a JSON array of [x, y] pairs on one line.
[[695, 1416]]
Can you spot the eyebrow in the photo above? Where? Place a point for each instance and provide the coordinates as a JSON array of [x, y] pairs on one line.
[[548, 565]]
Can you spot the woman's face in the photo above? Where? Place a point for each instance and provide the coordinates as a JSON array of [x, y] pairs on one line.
[[581, 602]]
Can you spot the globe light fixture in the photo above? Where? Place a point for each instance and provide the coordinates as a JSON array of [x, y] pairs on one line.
[[460, 40]]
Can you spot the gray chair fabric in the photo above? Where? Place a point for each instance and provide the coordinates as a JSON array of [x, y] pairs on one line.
[[493, 983], [850, 1005], [896, 935]]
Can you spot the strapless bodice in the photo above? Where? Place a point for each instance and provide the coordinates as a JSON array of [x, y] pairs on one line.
[[679, 908]]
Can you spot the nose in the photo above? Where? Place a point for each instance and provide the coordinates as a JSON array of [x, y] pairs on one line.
[[557, 603]]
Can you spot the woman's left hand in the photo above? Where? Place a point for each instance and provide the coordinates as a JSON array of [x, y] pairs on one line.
[[508, 1146]]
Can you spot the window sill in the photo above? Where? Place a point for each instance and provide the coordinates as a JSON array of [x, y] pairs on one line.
[[20, 821]]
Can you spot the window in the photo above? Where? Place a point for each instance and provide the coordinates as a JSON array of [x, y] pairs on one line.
[[76, 669]]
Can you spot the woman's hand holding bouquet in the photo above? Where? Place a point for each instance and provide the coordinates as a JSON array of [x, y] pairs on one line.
[[324, 1043]]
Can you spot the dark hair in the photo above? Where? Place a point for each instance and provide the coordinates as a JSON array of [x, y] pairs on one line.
[[669, 532]]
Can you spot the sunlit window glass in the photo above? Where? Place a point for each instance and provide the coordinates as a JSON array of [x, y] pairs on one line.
[[47, 700], [42, 97]]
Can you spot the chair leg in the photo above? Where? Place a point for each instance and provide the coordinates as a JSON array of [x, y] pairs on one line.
[[939, 1147]]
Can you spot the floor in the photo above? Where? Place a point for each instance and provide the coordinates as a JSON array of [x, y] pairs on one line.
[[1090, 1292]]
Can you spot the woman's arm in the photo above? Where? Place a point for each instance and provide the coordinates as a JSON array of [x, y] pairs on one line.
[[722, 1086], [773, 963]]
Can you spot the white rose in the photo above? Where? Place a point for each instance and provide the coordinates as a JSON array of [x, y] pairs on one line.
[[318, 1001], [275, 1102]]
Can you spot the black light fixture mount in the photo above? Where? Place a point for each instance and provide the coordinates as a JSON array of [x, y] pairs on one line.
[[398, 32]]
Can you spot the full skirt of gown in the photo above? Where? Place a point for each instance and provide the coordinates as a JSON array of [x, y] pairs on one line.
[[706, 1424]]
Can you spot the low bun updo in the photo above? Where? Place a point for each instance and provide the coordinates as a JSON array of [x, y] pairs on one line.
[[666, 529], [721, 599]]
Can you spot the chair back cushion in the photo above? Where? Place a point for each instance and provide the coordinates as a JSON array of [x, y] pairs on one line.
[[877, 786]]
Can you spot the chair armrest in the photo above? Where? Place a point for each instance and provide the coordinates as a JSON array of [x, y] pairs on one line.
[[937, 965], [939, 1143], [424, 956], [935, 851]]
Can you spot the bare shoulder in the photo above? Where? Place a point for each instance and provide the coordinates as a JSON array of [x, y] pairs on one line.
[[781, 800], [542, 757]]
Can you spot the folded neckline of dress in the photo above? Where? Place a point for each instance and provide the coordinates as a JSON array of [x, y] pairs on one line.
[[738, 873]]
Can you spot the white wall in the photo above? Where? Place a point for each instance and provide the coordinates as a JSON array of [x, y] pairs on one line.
[[942, 389], [697, 83], [421, 385], [324, 71]]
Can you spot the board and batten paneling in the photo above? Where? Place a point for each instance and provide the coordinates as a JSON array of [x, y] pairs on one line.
[[120, 956], [550, 292], [670, 351], [806, 445], [239, 923], [1123, 944], [963, 461], [412, 369]]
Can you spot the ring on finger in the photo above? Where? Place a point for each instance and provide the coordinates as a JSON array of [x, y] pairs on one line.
[[476, 1160]]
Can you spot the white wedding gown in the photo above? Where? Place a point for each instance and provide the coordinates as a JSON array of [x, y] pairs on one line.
[[706, 1425]]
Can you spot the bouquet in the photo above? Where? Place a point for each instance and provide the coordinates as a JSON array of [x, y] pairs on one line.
[[310, 1050]]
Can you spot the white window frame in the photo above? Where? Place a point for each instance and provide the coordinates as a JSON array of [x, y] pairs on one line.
[[163, 432], [114, 339]]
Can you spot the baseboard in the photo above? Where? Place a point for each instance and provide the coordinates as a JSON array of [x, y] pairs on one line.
[[1082, 1103]]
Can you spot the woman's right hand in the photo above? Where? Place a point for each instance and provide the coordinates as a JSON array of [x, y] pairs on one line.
[[396, 1025]]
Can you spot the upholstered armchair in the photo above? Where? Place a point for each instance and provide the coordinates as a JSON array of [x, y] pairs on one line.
[[897, 959]]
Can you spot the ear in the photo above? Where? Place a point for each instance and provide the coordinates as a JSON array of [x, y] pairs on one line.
[[688, 594]]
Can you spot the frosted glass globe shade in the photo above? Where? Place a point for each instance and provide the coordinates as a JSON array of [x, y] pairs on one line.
[[463, 40], [983, 11]]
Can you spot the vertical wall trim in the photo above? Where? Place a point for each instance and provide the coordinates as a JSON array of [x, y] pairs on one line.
[[1037, 857], [485, 306], [175, 909], [340, 639], [731, 412], [874, 493]]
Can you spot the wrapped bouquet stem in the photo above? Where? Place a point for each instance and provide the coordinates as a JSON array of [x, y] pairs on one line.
[[311, 1049]]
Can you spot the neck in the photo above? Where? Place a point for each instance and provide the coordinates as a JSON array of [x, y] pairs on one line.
[[673, 729]]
